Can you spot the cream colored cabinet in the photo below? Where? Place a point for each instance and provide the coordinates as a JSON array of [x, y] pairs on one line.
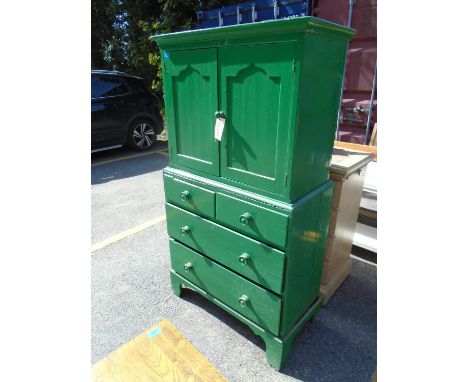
[[347, 170]]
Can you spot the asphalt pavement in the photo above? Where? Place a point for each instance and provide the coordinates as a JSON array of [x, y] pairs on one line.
[[131, 291], [126, 190]]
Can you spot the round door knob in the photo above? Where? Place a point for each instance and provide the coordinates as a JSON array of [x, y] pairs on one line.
[[185, 230], [185, 195], [243, 300], [244, 258], [188, 267], [245, 218]]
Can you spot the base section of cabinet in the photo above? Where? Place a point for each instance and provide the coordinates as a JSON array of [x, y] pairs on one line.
[[294, 272], [277, 348]]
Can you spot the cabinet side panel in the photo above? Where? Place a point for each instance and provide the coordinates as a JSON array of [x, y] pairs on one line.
[[305, 253], [319, 94]]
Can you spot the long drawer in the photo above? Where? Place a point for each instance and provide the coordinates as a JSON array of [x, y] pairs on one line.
[[250, 300], [252, 259]]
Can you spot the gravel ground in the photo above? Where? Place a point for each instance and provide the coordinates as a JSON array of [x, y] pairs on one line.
[[131, 292]]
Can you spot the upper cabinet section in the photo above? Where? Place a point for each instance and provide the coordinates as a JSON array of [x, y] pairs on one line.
[[276, 86]]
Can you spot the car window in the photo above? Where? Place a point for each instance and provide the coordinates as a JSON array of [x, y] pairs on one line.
[[102, 86]]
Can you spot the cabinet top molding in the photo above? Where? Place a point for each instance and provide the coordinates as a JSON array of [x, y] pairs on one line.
[[271, 27]]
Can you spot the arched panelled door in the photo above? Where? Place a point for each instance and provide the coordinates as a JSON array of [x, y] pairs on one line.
[[255, 95], [193, 86]]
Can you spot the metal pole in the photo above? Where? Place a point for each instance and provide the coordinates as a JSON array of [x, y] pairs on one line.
[[254, 13], [350, 14], [350, 20], [371, 105]]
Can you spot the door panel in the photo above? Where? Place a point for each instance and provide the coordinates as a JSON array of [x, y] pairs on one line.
[[256, 85], [191, 80]]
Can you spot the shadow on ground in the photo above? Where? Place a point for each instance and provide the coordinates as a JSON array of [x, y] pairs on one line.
[[338, 345], [123, 152], [126, 168]]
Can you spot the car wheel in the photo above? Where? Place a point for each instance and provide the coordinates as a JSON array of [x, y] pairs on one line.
[[141, 135]]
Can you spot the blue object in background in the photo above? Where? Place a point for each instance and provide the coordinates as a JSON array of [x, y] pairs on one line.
[[253, 11]]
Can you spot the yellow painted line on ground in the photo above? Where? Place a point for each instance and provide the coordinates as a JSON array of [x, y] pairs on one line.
[[126, 233], [164, 152]]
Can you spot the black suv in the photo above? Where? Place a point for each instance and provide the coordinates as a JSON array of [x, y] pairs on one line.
[[123, 111]]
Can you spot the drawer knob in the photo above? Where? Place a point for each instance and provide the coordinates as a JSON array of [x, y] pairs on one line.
[[188, 267], [243, 300], [185, 195], [245, 218], [185, 230], [244, 258]]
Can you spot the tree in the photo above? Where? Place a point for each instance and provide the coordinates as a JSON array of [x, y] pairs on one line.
[[120, 32], [103, 14]]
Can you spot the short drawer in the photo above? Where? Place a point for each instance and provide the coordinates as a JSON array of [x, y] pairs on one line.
[[189, 196], [261, 223], [250, 300], [250, 258]]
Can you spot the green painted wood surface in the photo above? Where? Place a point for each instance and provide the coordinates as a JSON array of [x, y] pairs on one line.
[[320, 70], [255, 91], [265, 265], [263, 223], [191, 97], [213, 185], [261, 306], [189, 196], [278, 83], [243, 33], [307, 235]]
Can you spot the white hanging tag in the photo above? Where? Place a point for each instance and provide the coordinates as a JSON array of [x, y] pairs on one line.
[[219, 128]]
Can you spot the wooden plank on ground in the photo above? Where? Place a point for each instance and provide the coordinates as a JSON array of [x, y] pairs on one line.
[[161, 353]]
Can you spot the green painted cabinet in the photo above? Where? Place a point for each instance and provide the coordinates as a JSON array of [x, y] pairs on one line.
[[247, 209], [278, 86]]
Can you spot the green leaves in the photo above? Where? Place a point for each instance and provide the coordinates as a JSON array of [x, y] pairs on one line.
[[120, 31]]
